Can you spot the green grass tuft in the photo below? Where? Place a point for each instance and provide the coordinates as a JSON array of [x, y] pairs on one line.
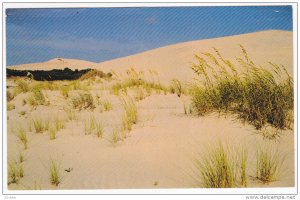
[[23, 137], [37, 98], [257, 95], [59, 124], [268, 164], [217, 169], [130, 116], [243, 168], [54, 172], [22, 86], [52, 133], [83, 101], [116, 136], [40, 126], [99, 129], [176, 87], [105, 105], [89, 125], [15, 172]]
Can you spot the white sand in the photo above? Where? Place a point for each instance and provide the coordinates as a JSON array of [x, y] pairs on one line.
[[162, 146]]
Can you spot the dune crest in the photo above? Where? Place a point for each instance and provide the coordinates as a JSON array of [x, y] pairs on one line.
[[174, 61], [56, 63]]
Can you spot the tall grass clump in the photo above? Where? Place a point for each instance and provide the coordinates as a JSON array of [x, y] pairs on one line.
[[139, 94], [99, 129], [222, 167], [37, 98], [22, 86], [130, 116], [106, 105], [23, 137], [89, 125], [45, 85], [256, 94], [52, 133], [64, 90], [116, 136], [40, 125], [59, 124], [268, 164], [243, 168], [136, 79], [217, 170], [83, 101], [54, 172], [15, 172], [93, 74], [21, 157], [176, 87]]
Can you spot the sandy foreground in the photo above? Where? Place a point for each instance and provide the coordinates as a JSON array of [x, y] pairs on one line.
[[159, 152], [161, 148]]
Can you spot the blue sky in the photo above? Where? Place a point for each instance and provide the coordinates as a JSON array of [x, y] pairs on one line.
[[99, 34]]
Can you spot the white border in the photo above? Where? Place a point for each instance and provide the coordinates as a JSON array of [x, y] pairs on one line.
[[147, 191]]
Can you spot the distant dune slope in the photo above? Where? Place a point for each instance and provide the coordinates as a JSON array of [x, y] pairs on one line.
[[174, 61], [56, 63]]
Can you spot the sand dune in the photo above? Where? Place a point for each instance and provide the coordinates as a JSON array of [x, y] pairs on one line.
[[161, 148], [174, 61], [56, 63]]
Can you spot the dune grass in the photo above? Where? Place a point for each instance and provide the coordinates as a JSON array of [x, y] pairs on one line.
[[89, 125], [139, 93], [59, 124], [64, 90], [105, 105], [22, 86], [130, 116], [10, 106], [218, 169], [52, 133], [23, 137], [93, 74], [187, 109], [93, 126], [243, 168], [54, 172], [21, 157], [176, 87], [45, 85], [136, 79], [99, 130], [83, 101], [257, 95], [37, 98], [271, 134], [116, 136], [268, 164], [40, 125], [223, 167], [15, 172]]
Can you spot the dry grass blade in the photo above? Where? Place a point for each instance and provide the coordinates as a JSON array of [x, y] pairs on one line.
[[256, 95]]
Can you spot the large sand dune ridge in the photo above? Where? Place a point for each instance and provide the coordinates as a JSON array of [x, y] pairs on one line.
[[174, 61]]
